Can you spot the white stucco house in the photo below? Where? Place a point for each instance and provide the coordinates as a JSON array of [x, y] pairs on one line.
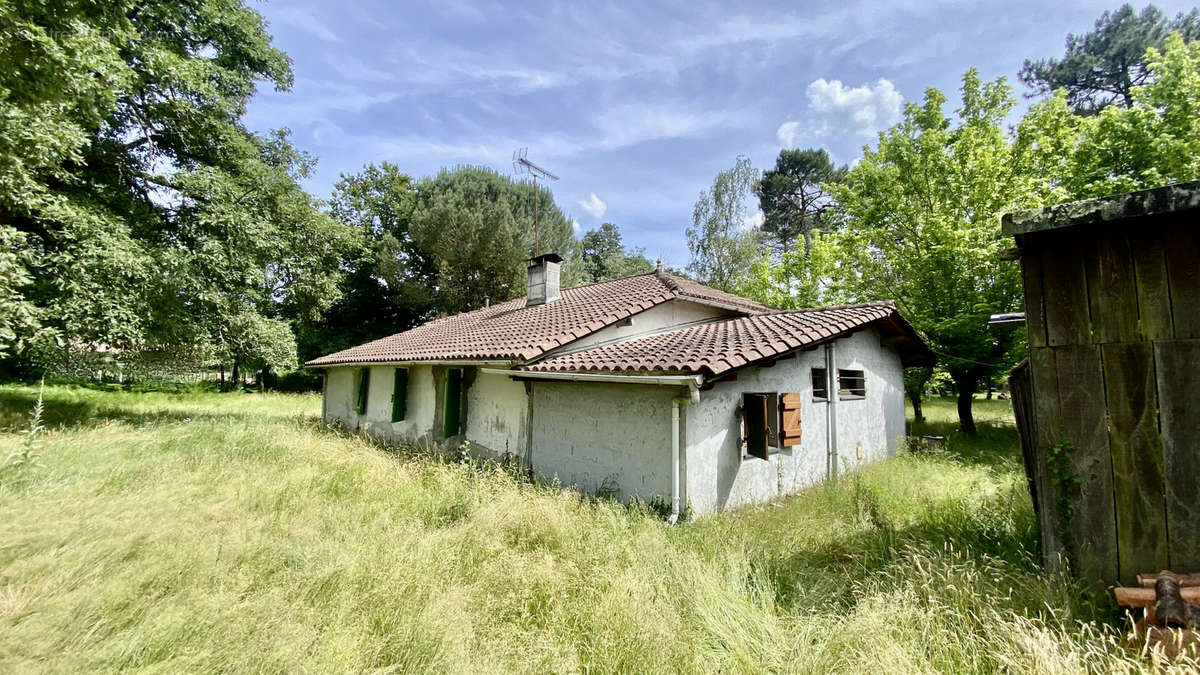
[[650, 386]]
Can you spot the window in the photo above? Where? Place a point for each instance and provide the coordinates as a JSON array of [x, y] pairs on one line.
[[399, 394], [851, 384], [769, 421], [452, 405], [364, 386], [820, 384]]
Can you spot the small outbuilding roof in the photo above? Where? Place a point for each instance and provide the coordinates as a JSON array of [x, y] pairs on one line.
[[514, 332], [716, 348], [1099, 210]]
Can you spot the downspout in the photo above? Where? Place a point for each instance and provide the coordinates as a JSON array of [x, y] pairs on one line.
[[831, 444], [674, 461], [677, 405]]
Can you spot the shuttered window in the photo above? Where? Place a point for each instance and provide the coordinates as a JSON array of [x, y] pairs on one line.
[[399, 394], [364, 386], [755, 424], [789, 420], [769, 420]]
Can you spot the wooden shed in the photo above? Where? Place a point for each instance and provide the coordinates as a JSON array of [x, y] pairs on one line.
[[1109, 402]]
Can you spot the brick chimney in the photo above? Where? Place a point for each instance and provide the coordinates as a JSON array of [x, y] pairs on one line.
[[543, 279]]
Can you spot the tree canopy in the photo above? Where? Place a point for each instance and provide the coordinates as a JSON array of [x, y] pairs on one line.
[[137, 209], [603, 256], [792, 196], [722, 245], [1102, 68]]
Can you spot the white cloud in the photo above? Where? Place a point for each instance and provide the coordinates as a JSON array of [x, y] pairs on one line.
[[835, 108], [788, 133], [594, 205], [753, 220], [575, 226]]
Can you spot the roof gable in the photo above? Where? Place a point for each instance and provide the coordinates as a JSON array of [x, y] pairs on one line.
[[511, 331]]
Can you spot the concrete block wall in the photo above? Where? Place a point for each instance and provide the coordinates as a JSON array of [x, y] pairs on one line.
[[718, 476]]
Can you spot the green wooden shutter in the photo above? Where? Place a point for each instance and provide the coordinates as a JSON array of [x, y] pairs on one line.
[[364, 385], [399, 394], [452, 405]]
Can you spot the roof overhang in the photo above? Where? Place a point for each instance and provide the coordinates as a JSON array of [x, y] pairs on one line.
[[692, 382], [431, 362]]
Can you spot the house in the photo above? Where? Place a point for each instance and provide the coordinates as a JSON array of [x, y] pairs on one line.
[[649, 386], [1106, 403]]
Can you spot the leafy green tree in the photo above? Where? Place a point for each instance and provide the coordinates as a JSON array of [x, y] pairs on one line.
[[1154, 142], [256, 342], [603, 256], [148, 214], [475, 227], [922, 226], [793, 199], [1102, 68], [387, 285], [723, 248]]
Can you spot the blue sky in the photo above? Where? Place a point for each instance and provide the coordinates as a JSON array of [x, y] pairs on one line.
[[637, 106]]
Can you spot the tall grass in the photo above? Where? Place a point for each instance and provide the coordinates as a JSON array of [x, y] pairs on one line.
[[208, 532]]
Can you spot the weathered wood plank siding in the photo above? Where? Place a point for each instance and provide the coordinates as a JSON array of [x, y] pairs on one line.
[[1112, 301]]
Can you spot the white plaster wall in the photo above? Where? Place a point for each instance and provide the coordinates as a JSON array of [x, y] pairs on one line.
[[615, 436], [418, 417], [657, 318], [718, 477], [497, 408]]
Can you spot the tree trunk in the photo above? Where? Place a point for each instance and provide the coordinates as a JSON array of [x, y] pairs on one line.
[[236, 377], [966, 396], [915, 397], [222, 376]]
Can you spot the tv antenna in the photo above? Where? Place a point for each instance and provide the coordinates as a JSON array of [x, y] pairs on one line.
[[523, 166]]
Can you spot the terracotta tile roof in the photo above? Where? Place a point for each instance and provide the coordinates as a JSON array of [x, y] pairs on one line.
[[714, 348], [512, 331]]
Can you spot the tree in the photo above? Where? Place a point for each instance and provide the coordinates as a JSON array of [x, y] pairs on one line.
[[603, 256], [792, 198], [1154, 142], [922, 225], [259, 343], [1101, 68], [156, 218], [723, 248], [387, 282], [475, 227]]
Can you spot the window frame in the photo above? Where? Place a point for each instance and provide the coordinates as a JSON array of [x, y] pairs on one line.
[[823, 396], [399, 394], [362, 391], [854, 376]]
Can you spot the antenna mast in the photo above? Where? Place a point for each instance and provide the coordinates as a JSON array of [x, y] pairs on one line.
[[523, 166]]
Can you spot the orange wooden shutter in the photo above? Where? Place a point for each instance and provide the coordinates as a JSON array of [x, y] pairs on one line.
[[789, 433]]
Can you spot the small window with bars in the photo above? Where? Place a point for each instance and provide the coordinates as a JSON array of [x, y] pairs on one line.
[[851, 384]]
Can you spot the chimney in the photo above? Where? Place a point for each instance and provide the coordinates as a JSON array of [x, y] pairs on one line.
[[543, 279]]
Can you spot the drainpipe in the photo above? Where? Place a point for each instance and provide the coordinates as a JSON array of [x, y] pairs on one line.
[[676, 448], [674, 461], [831, 445]]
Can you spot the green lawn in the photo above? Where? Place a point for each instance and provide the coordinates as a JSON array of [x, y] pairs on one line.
[[209, 532]]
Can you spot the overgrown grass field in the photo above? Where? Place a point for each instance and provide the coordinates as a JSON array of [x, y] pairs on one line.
[[208, 532]]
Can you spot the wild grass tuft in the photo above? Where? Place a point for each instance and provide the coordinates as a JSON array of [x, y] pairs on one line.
[[234, 532]]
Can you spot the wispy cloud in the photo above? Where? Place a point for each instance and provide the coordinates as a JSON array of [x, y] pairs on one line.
[[307, 21], [594, 205]]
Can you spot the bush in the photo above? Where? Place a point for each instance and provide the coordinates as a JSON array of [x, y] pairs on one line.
[[298, 381]]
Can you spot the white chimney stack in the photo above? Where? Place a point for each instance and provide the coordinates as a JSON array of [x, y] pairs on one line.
[[543, 279]]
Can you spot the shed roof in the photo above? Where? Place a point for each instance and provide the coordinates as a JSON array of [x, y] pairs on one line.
[[1157, 201], [716, 348]]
